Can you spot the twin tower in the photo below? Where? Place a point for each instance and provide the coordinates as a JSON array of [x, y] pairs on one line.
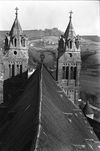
[[16, 57]]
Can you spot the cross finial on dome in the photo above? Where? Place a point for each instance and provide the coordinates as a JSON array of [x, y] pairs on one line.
[[70, 14], [16, 11]]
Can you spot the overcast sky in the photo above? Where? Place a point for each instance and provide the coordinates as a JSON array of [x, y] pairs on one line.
[[50, 14]]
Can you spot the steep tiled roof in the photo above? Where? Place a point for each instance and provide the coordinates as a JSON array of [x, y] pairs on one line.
[[44, 119], [16, 29], [19, 123], [69, 33], [63, 126]]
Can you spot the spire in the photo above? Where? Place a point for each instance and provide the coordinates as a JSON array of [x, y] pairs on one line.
[[16, 29], [16, 11], [69, 33], [70, 15]]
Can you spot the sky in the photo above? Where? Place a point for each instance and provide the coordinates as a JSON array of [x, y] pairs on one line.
[[49, 14]]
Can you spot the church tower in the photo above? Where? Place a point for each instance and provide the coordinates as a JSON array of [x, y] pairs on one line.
[[69, 62], [16, 51]]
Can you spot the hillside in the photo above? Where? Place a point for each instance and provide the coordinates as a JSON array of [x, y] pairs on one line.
[[47, 41], [89, 44], [35, 34], [91, 37]]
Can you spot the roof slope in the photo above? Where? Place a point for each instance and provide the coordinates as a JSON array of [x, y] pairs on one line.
[[69, 33], [14, 87], [63, 126], [16, 29], [44, 118], [20, 123]]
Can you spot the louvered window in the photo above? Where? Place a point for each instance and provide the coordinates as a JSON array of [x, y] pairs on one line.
[[65, 71], [13, 70], [72, 72], [70, 44], [10, 74], [15, 42], [75, 70], [20, 69]]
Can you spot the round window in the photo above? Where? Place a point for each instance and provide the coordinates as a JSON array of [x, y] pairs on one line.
[[15, 52], [70, 54]]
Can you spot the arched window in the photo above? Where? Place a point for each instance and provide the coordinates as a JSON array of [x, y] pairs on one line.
[[75, 70], [67, 71], [10, 74], [23, 42], [77, 43], [21, 69], [13, 70], [70, 44], [6, 42], [72, 72], [63, 72], [15, 42], [18, 70], [61, 43], [12, 41]]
